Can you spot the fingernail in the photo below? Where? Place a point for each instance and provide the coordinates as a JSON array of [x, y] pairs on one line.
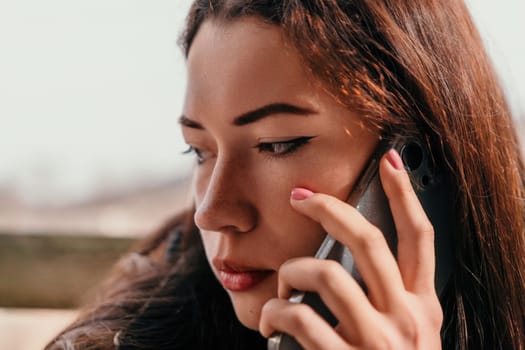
[[394, 159], [299, 194]]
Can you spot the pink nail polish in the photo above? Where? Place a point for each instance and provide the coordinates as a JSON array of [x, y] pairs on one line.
[[299, 194], [394, 159]]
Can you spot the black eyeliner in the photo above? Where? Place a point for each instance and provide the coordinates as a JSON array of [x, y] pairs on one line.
[[295, 144]]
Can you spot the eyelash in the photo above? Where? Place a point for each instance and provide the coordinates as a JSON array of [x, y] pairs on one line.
[[197, 152], [290, 146]]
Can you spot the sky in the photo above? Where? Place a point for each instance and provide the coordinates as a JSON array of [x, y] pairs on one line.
[[90, 91]]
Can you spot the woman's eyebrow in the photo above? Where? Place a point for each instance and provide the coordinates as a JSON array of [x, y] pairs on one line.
[[185, 121], [255, 115], [269, 110]]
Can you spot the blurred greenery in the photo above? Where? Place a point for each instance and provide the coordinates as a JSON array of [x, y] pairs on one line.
[[54, 271]]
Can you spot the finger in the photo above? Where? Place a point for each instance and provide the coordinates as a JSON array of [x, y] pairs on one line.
[[302, 323], [338, 290], [370, 250], [415, 233]]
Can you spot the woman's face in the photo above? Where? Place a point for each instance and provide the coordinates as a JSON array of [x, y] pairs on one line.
[[261, 126]]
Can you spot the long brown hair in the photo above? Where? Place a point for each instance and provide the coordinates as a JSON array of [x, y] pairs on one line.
[[420, 66]]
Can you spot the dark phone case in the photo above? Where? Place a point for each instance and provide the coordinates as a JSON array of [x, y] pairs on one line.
[[431, 184]]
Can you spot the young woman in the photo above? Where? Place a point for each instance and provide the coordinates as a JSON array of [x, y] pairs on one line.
[[286, 101]]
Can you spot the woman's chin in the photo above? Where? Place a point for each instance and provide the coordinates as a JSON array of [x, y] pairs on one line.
[[248, 304], [249, 319], [248, 309]]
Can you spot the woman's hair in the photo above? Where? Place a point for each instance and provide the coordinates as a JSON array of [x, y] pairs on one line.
[[415, 66]]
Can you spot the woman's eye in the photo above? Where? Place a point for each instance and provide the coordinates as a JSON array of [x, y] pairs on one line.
[[285, 147], [199, 154]]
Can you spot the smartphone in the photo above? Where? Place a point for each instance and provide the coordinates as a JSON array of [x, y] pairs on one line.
[[431, 182]]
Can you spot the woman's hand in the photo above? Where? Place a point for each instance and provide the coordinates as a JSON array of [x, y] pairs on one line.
[[401, 309]]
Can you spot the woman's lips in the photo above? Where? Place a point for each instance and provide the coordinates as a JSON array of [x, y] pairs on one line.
[[238, 278], [242, 281]]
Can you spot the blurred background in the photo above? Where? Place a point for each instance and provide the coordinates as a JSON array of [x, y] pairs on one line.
[[90, 149]]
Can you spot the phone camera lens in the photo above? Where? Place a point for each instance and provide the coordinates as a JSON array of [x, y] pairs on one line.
[[412, 155], [425, 180]]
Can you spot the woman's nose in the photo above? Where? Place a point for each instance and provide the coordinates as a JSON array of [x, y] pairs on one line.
[[226, 205]]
